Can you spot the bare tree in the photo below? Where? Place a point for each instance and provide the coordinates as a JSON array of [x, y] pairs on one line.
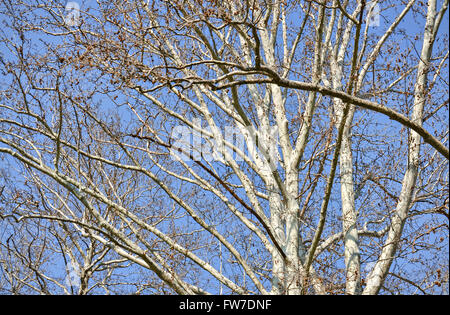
[[197, 147]]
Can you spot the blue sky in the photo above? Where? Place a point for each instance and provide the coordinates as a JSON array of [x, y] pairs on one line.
[[410, 27]]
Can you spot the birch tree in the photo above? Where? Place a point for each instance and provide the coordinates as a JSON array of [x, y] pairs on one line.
[[234, 147]]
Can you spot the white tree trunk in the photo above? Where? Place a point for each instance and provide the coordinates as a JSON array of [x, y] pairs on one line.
[[379, 272]]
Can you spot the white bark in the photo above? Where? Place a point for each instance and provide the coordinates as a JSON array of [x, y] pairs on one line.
[[241, 69], [379, 272]]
